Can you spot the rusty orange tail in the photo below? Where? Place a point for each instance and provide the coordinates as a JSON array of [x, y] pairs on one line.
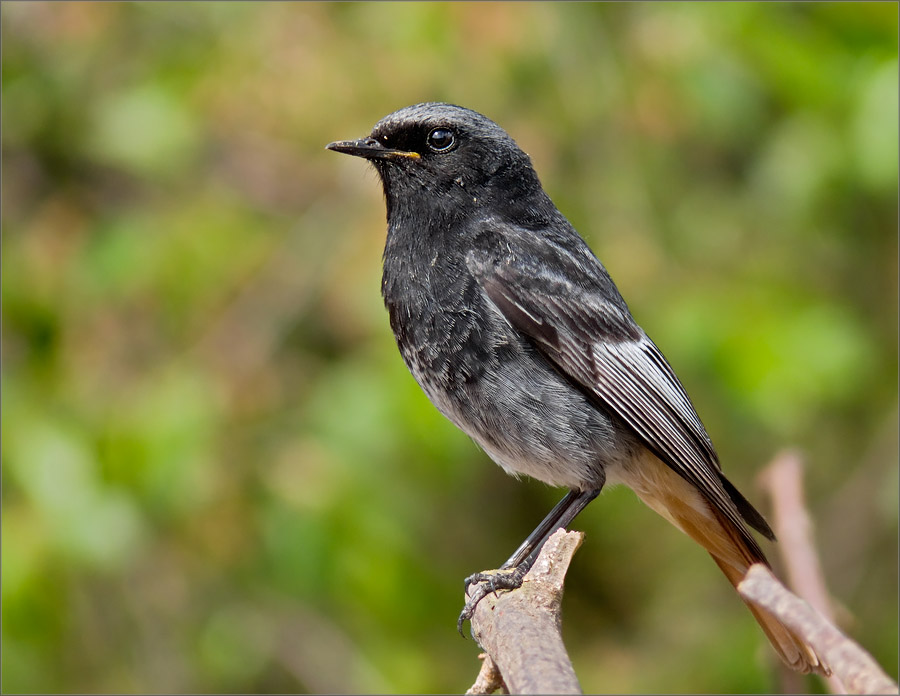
[[683, 505]]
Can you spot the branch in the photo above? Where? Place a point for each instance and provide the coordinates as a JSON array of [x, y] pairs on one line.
[[853, 665], [489, 679], [783, 478], [520, 631]]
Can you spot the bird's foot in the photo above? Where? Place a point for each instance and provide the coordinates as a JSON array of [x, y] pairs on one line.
[[479, 585]]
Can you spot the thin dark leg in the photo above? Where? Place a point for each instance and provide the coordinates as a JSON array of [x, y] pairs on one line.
[[520, 562], [561, 515]]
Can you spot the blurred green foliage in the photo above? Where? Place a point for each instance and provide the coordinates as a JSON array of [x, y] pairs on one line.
[[217, 474]]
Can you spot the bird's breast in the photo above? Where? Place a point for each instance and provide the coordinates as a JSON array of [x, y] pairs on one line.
[[438, 316]]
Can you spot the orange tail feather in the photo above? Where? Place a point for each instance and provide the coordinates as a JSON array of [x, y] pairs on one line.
[[682, 504]]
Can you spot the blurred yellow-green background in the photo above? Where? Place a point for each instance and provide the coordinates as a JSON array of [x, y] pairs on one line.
[[217, 473]]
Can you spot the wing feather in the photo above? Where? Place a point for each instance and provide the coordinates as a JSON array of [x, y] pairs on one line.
[[591, 338]]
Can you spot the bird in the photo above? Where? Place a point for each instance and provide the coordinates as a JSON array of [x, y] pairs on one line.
[[517, 333]]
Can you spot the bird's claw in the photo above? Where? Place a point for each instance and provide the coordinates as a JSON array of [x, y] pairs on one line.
[[479, 585]]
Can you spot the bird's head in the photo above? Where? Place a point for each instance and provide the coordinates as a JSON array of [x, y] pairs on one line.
[[441, 157]]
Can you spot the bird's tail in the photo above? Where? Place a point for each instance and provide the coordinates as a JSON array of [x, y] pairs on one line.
[[795, 652], [682, 504]]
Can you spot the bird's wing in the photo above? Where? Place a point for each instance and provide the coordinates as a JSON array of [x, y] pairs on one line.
[[591, 338]]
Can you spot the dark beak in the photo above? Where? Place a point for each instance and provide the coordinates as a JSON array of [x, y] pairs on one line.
[[368, 148]]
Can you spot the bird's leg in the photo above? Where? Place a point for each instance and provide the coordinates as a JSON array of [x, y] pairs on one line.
[[512, 573]]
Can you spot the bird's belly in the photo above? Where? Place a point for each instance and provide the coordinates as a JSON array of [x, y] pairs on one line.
[[530, 420]]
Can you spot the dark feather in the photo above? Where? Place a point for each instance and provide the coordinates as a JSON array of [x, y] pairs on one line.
[[593, 340]]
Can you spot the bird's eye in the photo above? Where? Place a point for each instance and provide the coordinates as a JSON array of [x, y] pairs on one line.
[[441, 139]]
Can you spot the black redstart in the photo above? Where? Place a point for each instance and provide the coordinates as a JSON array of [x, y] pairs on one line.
[[517, 333]]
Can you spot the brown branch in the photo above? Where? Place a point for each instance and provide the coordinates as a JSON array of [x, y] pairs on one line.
[[783, 478], [854, 666], [520, 630], [489, 680]]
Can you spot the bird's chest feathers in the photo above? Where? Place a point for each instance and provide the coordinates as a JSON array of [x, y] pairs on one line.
[[437, 313]]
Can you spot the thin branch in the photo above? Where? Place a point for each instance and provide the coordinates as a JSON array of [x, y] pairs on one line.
[[489, 680], [520, 630], [854, 666], [783, 478]]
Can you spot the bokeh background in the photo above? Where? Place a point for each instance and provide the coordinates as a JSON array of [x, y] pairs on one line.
[[217, 473]]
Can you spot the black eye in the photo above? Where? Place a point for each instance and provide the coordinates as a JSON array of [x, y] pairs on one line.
[[441, 139]]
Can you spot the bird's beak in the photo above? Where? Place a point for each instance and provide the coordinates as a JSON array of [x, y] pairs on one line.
[[369, 148]]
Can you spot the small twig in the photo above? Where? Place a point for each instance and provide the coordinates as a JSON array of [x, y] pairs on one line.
[[489, 679], [854, 666], [784, 480], [520, 630]]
